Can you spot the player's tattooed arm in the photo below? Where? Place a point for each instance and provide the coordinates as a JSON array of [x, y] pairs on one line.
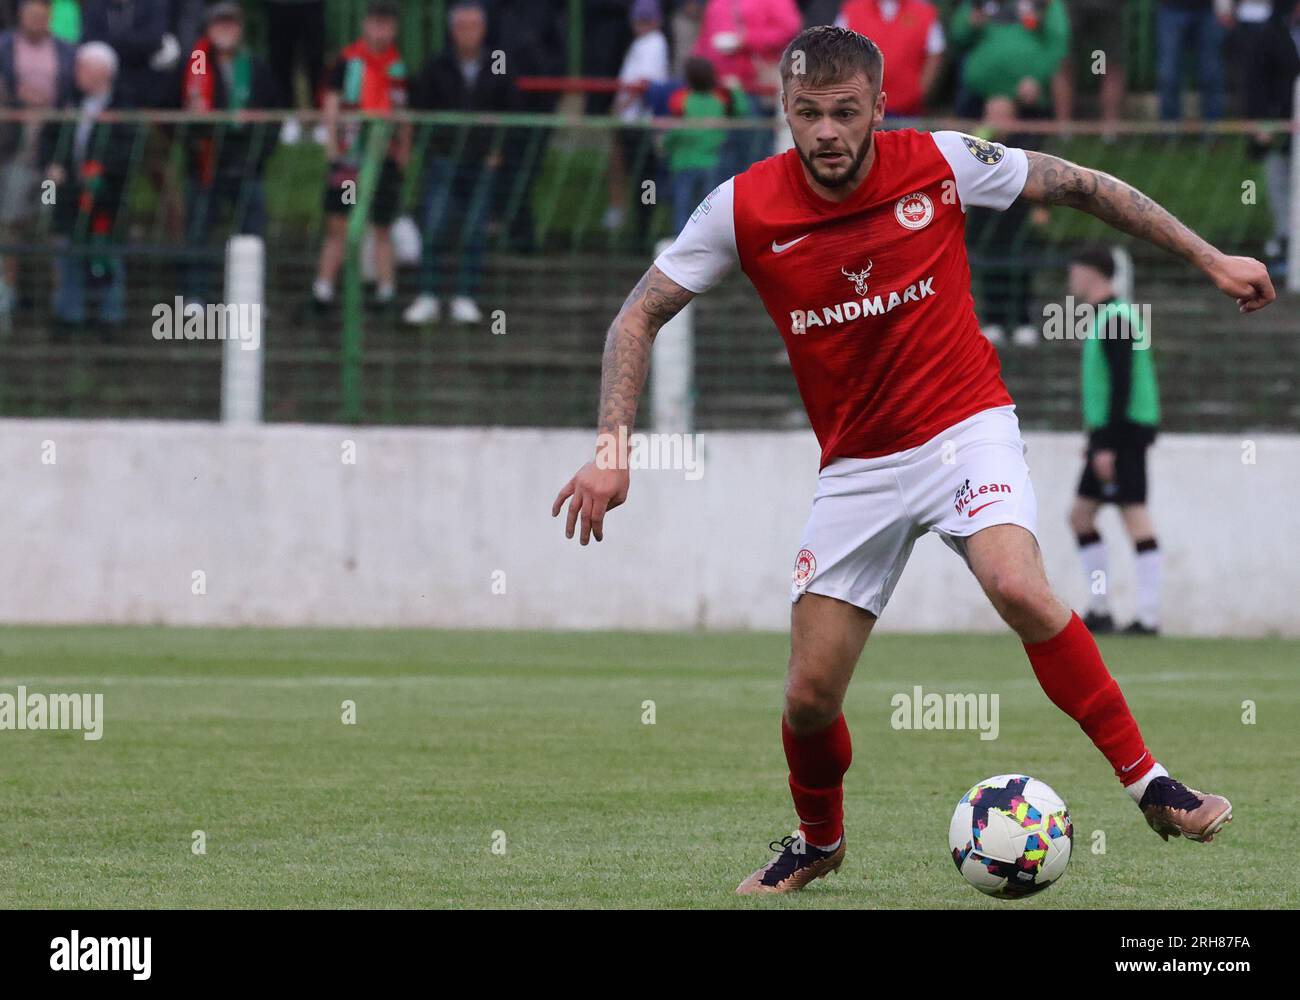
[[626, 361], [1054, 181], [602, 484]]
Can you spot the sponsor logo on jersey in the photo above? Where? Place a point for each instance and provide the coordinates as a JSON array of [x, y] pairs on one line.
[[846, 312], [859, 278], [983, 150], [914, 211], [805, 565], [970, 500], [783, 247]]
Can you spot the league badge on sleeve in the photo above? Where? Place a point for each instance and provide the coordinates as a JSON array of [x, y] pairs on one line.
[[986, 152]]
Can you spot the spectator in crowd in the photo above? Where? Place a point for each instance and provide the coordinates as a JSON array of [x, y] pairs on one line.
[[1102, 48], [820, 11], [295, 38], [1195, 25], [744, 40], [460, 174], [532, 34], [225, 161], [36, 71], [139, 31], [1010, 49], [645, 63], [1267, 38], [910, 38], [369, 76], [695, 155], [606, 32], [89, 164], [684, 33], [1005, 247]]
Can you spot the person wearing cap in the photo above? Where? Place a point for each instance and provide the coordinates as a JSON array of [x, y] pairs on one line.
[[369, 76], [224, 161], [633, 150]]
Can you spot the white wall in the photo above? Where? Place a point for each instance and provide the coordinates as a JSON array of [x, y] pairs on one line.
[[288, 534]]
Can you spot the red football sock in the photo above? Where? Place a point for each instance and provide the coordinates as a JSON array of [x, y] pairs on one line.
[[817, 765], [1073, 676]]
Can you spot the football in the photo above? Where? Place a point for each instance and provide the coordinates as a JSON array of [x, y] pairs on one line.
[[1010, 836]]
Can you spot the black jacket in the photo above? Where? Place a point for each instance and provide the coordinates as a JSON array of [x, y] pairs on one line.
[[135, 30], [95, 182], [441, 86], [237, 150]]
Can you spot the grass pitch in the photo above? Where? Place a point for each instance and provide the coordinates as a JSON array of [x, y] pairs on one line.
[[535, 742]]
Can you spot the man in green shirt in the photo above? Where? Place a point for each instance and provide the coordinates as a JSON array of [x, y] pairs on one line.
[[1009, 49], [1121, 412]]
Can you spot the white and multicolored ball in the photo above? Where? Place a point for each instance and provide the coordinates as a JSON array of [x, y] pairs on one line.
[[1011, 836]]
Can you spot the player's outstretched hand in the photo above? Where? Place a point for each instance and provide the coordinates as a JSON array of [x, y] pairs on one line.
[[1245, 279], [593, 491]]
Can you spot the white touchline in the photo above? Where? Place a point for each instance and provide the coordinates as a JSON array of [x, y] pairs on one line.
[[782, 247]]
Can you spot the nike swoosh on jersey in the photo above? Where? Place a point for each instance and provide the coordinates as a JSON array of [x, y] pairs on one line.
[[972, 513], [782, 247]]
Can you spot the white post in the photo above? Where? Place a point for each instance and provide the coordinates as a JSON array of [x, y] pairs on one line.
[[672, 371], [242, 357], [1122, 283], [1293, 230]]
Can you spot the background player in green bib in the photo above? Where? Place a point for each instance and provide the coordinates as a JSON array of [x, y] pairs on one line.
[[1121, 412]]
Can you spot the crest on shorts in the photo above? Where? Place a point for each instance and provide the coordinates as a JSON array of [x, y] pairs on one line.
[[983, 150], [805, 565]]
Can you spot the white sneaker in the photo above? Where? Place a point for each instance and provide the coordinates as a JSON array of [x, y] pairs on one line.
[[995, 333], [425, 309], [465, 310], [291, 132], [1026, 335]]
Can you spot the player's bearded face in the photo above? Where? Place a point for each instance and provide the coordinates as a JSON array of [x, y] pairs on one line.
[[832, 129]]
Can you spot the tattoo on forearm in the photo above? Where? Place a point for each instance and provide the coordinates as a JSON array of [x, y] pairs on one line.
[[626, 361], [1055, 181]]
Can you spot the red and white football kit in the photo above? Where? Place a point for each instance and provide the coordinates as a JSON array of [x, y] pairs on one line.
[[918, 433], [872, 297]]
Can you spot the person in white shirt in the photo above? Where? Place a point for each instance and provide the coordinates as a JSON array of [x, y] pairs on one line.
[[646, 62]]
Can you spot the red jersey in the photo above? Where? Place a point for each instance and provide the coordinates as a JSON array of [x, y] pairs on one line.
[[872, 295], [907, 37]]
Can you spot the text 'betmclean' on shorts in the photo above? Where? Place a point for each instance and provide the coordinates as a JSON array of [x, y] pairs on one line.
[[869, 512]]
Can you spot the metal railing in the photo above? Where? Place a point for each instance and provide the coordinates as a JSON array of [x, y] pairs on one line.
[[555, 268]]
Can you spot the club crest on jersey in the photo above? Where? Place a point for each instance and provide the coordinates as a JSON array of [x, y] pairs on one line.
[[805, 565], [914, 211], [859, 278], [986, 152]]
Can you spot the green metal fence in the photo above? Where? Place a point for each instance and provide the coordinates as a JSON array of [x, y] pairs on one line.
[[554, 273]]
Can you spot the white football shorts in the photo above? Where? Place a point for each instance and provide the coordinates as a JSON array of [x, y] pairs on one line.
[[869, 512]]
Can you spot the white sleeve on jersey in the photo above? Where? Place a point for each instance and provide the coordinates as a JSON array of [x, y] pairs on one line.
[[989, 175], [705, 250]]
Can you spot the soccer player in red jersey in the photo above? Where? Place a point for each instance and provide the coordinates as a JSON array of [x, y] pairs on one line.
[[854, 240]]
